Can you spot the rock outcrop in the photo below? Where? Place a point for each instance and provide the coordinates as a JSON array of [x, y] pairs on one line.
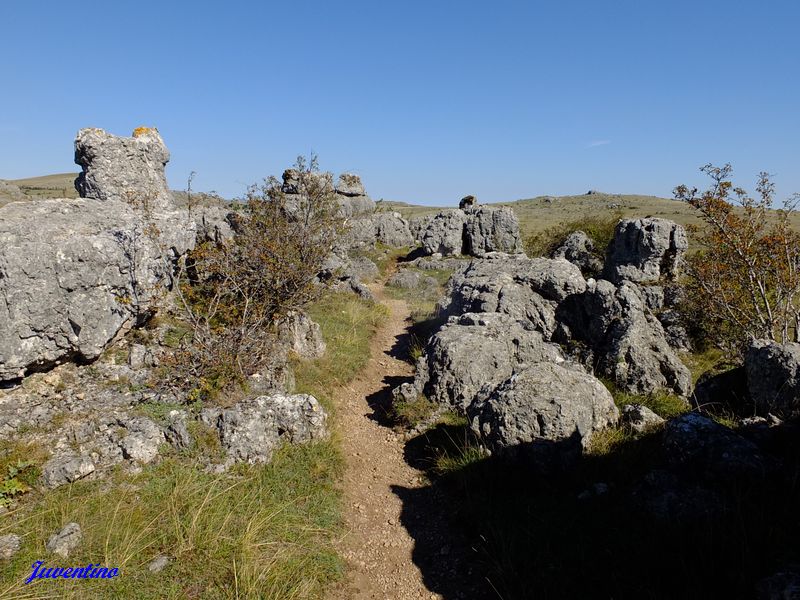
[[352, 197], [488, 229], [628, 341], [304, 335], [521, 287], [773, 377], [350, 185], [578, 248], [646, 250], [444, 233], [123, 169], [387, 228], [76, 273], [475, 351], [251, 430], [639, 418], [544, 403], [468, 202], [474, 230]]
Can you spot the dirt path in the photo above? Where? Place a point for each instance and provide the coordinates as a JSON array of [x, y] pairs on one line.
[[377, 546]]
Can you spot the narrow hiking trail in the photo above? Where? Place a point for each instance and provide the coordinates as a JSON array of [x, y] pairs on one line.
[[382, 554]]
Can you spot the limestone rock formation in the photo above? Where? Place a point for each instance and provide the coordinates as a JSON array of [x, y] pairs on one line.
[[253, 429], [388, 228], [474, 230], [304, 335], [639, 418], [352, 197], [578, 248], [629, 341], [391, 229], [444, 233], [490, 229], [350, 185], [544, 402], [418, 225], [646, 250], [478, 350], [524, 288], [62, 470], [123, 169], [77, 272], [142, 440], [773, 377]]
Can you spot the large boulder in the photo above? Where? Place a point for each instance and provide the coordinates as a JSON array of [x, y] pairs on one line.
[[578, 248], [468, 202], [388, 228], [477, 350], [645, 250], [473, 230], [252, 430], [544, 403], [350, 185], [708, 450], [74, 273], [489, 229], [352, 197], [528, 289], [629, 342], [303, 334], [125, 169], [391, 229], [444, 233], [773, 377]]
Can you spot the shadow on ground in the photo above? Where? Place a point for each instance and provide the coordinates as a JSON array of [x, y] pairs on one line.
[[621, 525]]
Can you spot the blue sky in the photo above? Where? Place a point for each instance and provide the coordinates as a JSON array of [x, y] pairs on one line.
[[427, 101]]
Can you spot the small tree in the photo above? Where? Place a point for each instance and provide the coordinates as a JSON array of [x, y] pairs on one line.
[[745, 278], [236, 294]]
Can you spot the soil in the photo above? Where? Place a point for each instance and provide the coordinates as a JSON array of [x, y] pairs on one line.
[[399, 543]]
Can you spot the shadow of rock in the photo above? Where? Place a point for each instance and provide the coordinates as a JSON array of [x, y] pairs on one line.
[[381, 401], [501, 527]]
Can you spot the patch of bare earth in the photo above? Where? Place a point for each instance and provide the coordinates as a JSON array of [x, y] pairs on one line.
[[398, 542]]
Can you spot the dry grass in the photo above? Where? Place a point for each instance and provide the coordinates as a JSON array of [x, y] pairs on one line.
[[260, 532]]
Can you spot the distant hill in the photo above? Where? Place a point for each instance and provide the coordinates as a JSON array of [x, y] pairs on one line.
[[542, 212], [61, 185], [535, 214]]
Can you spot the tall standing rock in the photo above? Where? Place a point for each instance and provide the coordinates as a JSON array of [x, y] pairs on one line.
[[126, 169], [645, 250], [352, 197], [74, 273], [444, 233], [490, 229]]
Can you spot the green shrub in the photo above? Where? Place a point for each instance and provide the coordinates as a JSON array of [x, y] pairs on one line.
[[599, 228]]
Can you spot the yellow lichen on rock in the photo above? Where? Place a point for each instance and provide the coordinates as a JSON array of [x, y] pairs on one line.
[[143, 131]]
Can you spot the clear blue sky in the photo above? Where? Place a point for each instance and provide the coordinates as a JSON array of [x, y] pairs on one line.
[[428, 101]]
